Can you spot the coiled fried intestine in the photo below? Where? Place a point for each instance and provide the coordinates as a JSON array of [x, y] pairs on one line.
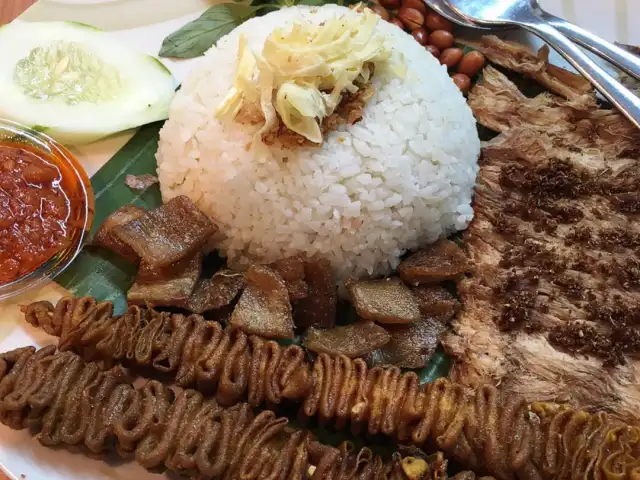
[[78, 405], [502, 435]]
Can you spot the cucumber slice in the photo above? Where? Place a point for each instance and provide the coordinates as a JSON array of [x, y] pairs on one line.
[[77, 83]]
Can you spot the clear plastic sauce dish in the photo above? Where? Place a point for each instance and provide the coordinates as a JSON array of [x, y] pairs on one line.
[[46, 208]]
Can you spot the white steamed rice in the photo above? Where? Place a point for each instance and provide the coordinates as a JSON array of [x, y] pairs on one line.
[[400, 178]]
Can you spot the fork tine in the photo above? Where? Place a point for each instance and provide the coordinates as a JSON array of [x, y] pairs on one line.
[[441, 8]]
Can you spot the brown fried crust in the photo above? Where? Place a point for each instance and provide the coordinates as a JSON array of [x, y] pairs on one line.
[[551, 309], [73, 404], [517, 57], [502, 434]]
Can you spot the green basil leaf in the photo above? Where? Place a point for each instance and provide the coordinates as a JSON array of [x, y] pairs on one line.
[[197, 37]]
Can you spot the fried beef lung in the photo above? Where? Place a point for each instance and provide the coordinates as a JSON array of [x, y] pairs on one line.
[[410, 346], [105, 238], [353, 340], [216, 292], [170, 288], [385, 301], [167, 234], [318, 307], [435, 263], [552, 310], [264, 307]]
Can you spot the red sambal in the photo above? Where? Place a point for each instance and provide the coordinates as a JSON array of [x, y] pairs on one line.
[[35, 210]]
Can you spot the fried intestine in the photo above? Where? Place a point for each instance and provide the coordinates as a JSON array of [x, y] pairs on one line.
[[77, 405], [501, 435]]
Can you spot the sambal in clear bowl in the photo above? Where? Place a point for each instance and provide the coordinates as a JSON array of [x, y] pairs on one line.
[[46, 208]]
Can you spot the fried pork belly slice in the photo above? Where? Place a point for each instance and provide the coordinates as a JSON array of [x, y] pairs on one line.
[[160, 289], [436, 301], [353, 341], [443, 260], [292, 272], [167, 234], [517, 57], [264, 308], [216, 292], [385, 301], [318, 309], [554, 241], [105, 238], [410, 346]]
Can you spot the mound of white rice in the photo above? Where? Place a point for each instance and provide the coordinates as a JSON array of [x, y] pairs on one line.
[[400, 178]]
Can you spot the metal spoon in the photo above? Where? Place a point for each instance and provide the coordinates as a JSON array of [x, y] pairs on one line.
[[528, 15], [440, 7], [619, 57]]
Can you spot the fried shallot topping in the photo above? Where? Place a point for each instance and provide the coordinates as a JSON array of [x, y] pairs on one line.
[[350, 111]]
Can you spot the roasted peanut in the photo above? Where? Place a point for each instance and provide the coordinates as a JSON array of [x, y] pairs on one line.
[[441, 39], [397, 22], [436, 22], [417, 4], [462, 81], [421, 35], [433, 50], [381, 11], [411, 17], [390, 4], [451, 56], [471, 63]]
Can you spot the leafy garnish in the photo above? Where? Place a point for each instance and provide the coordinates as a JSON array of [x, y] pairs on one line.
[[198, 36], [96, 272]]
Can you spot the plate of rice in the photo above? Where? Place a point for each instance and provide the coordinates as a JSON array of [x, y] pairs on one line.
[[401, 177], [315, 165]]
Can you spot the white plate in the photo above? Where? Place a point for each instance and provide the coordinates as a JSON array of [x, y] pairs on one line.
[[23, 458]]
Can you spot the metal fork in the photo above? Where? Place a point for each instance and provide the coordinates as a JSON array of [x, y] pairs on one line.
[[528, 15], [615, 55]]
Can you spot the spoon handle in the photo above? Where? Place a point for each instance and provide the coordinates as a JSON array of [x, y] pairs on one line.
[[614, 91], [612, 53]]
